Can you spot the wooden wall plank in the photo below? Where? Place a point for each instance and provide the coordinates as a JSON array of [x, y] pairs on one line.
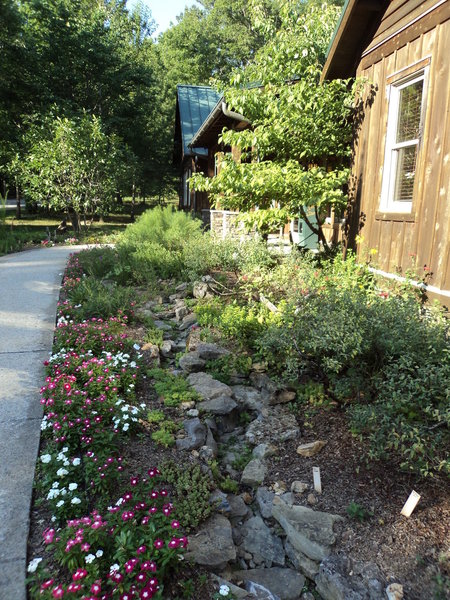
[[399, 14], [429, 165]]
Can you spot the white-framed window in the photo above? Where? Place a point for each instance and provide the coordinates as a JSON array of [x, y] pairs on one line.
[[403, 138]]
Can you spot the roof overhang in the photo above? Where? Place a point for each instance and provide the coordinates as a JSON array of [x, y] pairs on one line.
[[219, 118], [359, 21]]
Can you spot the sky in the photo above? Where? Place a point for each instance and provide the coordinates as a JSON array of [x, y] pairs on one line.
[[165, 11]]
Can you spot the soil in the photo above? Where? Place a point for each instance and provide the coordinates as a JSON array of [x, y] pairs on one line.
[[413, 551]]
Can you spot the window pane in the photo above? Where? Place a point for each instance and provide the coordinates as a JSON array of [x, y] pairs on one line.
[[409, 112], [404, 177]]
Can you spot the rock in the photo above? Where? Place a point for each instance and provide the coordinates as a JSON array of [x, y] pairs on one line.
[[279, 487], [196, 433], [220, 501], [178, 346], [248, 397], [259, 367], [247, 497], [277, 426], [259, 592], [286, 584], [151, 353], [235, 591], [311, 499], [254, 473], [206, 386], [222, 405], [264, 500], [162, 325], [298, 487], [283, 396], [181, 287], [394, 591], [192, 412], [266, 548], [211, 351], [238, 509], [211, 442], [342, 579], [201, 290], [187, 322], [301, 562], [311, 449], [307, 596], [263, 382], [264, 451], [193, 340], [187, 405], [212, 547], [166, 348], [288, 497], [191, 363], [181, 312], [206, 453], [310, 532]]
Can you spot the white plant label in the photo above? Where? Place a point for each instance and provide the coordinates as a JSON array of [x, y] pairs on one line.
[[317, 482], [410, 504]]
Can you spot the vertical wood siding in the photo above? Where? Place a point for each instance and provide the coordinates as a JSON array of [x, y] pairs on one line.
[[423, 236]]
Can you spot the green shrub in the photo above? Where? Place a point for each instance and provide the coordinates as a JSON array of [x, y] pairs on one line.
[[155, 416], [358, 512], [191, 491], [224, 367], [163, 437], [162, 227], [94, 299], [172, 388], [98, 262]]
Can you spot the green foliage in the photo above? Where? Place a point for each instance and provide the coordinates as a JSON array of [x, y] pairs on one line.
[[94, 299], [154, 336], [98, 262], [70, 166], [298, 122], [163, 437], [155, 416], [224, 367], [173, 389], [245, 456], [358, 512], [191, 491], [242, 324]]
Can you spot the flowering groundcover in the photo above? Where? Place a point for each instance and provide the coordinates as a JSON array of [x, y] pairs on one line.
[[103, 547]]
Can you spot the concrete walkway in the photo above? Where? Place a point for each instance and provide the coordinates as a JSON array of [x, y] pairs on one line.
[[29, 287]]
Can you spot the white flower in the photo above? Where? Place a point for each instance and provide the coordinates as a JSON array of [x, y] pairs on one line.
[[76, 462], [46, 458], [90, 558], [55, 485], [75, 500], [52, 494], [73, 486], [65, 449], [33, 565], [224, 590], [132, 364], [304, 53], [99, 553], [63, 491], [120, 501], [60, 503], [62, 472], [44, 426], [136, 346], [126, 427], [113, 568]]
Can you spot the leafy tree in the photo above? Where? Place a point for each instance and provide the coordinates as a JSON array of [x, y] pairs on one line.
[[71, 166], [295, 154]]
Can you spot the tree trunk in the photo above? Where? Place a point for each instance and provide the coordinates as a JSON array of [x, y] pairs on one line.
[[18, 207], [75, 220]]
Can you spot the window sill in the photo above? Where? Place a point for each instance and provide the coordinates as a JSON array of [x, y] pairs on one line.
[[393, 216]]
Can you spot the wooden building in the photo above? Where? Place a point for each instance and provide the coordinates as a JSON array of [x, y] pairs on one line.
[[400, 197], [194, 104]]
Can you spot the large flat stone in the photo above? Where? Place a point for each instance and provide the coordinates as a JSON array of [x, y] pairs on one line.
[[21, 376], [309, 531], [213, 547], [208, 387], [12, 584], [287, 584]]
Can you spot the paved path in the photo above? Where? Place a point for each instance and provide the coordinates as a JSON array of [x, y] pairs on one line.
[[29, 286]]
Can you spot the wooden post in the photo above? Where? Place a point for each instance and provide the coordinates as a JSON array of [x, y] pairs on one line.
[[18, 207]]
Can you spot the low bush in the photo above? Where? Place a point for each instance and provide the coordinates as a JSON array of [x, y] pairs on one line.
[[191, 491], [93, 298], [173, 389]]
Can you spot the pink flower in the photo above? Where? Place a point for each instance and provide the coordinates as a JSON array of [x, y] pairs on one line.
[[47, 584], [96, 588], [146, 593], [58, 591], [174, 543], [49, 534], [85, 547], [141, 549], [74, 587], [158, 544], [79, 574], [148, 565], [175, 524]]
